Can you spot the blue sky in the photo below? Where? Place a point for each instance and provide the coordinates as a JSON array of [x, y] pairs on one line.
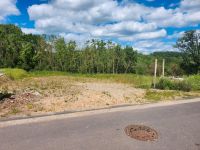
[[147, 25]]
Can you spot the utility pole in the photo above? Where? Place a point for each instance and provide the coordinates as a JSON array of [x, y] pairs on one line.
[[163, 68], [155, 72]]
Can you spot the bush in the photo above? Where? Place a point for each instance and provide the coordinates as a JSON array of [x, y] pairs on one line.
[[183, 86], [194, 81], [165, 84], [168, 84], [14, 73]]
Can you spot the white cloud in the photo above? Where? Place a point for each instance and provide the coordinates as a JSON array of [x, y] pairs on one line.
[[31, 31], [146, 36], [8, 7], [82, 20], [187, 14], [153, 46], [175, 35], [80, 39], [190, 5], [91, 17], [123, 28]]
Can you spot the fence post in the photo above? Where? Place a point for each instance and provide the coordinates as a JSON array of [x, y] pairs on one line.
[[155, 72], [163, 68]]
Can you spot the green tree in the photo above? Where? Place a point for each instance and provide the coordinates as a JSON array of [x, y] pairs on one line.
[[130, 59], [189, 45], [61, 54]]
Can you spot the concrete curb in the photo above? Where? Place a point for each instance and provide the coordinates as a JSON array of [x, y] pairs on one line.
[[72, 114]]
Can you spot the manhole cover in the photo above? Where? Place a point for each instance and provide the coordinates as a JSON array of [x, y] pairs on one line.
[[142, 133]]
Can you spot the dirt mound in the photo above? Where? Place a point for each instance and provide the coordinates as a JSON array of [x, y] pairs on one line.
[[18, 100]]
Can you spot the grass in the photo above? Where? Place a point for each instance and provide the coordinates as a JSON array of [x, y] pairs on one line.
[[160, 95], [156, 96], [47, 73], [30, 106], [14, 74], [138, 81]]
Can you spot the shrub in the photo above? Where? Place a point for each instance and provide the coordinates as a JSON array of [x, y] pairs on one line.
[[168, 84], [183, 86], [164, 84], [194, 81]]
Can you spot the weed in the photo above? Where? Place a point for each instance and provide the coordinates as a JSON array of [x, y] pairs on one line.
[[15, 110], [153, 95], [106, 93], [29, 106]]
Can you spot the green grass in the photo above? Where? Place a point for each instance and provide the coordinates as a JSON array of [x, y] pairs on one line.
[[156, 96], [47, 73], [139, 81], [15, 74]]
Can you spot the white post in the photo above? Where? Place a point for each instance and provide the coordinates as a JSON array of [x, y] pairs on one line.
[[155, 72], [163, 68]]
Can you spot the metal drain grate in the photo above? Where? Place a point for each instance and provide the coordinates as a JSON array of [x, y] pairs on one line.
[[142, 133]]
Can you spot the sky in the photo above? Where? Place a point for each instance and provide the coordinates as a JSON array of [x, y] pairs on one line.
[[147, 25]]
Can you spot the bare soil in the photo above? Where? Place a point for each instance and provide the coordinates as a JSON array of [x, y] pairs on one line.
[[61, 93]]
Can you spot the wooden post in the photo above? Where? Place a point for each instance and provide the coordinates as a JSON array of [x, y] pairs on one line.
[[155, 72], [163, 68]]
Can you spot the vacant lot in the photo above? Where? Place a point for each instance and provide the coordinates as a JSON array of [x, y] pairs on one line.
[[38, 93]]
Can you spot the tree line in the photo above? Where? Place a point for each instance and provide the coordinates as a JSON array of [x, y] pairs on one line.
[[44, 52]]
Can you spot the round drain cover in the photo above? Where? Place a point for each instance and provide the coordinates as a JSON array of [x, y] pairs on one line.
[[142, 133]]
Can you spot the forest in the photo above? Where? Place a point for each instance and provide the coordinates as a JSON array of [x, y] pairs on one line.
[[52, 53]]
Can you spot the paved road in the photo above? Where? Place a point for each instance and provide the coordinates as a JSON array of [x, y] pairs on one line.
[[178, 127]]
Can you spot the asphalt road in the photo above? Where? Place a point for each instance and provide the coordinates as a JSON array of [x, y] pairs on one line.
[[178, 127]]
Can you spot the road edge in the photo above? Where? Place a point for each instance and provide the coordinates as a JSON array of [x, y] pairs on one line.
[[65, 115]]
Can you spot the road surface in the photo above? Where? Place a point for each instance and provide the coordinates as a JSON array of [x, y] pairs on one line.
[[178, 127]]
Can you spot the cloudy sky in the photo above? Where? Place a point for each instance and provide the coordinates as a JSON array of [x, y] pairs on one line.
[[147, 25]]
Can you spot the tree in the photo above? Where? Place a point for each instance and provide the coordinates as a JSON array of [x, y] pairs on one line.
[[189, 45], [130, 59], [61, 54]]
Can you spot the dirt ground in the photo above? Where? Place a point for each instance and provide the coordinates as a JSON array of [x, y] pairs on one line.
[[56, 94], [92, 95]]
